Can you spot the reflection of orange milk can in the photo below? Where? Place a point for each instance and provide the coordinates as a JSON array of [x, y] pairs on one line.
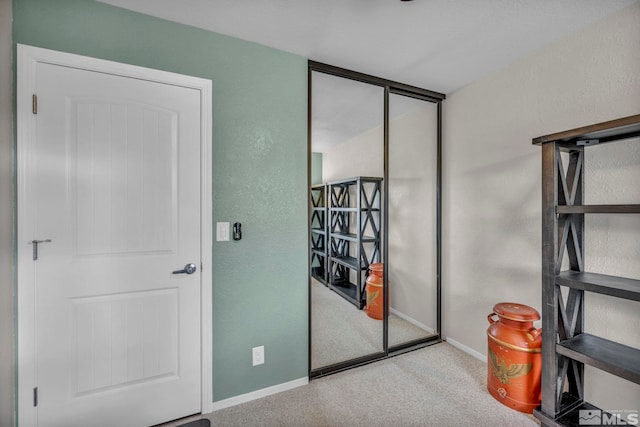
[[515, 358], [374, 291]]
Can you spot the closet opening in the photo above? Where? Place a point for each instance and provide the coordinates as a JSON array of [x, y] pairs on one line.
[[374, 179]]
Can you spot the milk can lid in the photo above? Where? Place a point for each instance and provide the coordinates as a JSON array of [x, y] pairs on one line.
[[515, 311], [376, 266]]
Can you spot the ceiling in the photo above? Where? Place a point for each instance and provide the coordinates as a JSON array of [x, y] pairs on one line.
[[440, 45]]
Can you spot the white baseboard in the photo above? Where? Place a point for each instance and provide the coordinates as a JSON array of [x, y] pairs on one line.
[[248, 397], [411, 320], [466, 349]]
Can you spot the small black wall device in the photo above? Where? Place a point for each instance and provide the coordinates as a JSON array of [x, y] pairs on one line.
[[237, 231]]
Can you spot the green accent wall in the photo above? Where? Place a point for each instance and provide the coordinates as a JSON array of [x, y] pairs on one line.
[[259, 167], [316, 168]]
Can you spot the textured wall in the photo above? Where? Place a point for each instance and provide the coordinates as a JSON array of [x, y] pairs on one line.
[[259, 164], [492, 181], [6, 218], [360, 156]]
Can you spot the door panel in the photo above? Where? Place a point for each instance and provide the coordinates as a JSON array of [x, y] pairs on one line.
[[123, 339], [135, 210], [116, 182], [349, 145], [412, 189]]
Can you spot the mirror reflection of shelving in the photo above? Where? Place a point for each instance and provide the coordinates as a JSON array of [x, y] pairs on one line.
[[412, 227], [343, 147], [319, 233], [353, 235], [397, 225]]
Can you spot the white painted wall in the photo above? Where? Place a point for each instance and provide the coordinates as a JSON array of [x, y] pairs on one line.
[[360, 156], [6, 218], [492, 181]]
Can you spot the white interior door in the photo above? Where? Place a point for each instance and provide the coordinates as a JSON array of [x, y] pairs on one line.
[[113, 181]]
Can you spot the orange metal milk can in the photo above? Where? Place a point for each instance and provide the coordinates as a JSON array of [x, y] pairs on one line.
[[515, 356], [375, 296]]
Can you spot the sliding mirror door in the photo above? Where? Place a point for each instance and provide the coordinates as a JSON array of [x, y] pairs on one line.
[[347, 167], [374, 215], [412, 227]]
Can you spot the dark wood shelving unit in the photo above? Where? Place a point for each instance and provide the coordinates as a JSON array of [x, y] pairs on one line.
[[353, 234], [565, 347], [318, 237]]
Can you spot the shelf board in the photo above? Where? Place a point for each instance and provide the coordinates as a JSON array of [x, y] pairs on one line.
[[347, 261], [319, 208], [601, 283], [318, 230], [348, 291], [570, 418], [319, 252], [613, 130], [609, 356], [339, 209], [353, 237], [598, 209], [354, 180]]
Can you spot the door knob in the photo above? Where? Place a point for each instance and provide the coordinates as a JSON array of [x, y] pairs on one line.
[[35, 244], [188, 269]]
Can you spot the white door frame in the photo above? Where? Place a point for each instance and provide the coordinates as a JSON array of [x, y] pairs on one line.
[[27, 59]]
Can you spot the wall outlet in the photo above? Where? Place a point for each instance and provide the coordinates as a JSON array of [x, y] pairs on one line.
[[258, 355]]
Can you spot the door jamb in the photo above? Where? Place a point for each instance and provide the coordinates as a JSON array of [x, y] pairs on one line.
[[27, 59]]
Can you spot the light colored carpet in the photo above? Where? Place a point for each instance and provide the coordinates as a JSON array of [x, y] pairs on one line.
[[340, 332], [434, 386]]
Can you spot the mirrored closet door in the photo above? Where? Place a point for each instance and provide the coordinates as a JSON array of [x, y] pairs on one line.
[[412, 227], [347, 148], [374, 149]]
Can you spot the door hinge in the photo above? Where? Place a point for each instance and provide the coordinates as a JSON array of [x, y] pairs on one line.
[[34, 103], [35, 396]]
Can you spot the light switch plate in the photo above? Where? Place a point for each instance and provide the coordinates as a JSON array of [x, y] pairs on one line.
[[257, 354], [222, 231]]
